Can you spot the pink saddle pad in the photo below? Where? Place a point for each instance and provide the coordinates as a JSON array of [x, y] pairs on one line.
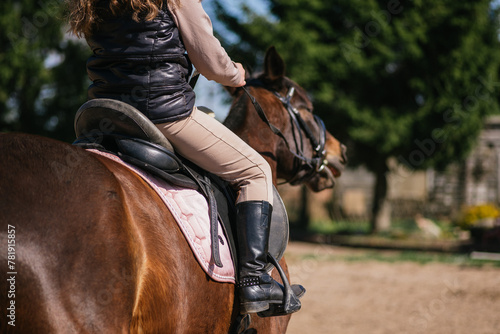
[[190, 210]]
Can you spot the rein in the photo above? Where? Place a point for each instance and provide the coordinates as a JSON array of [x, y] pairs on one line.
[[317, 162]]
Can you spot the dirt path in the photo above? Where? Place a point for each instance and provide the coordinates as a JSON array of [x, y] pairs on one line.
[[371, 297]]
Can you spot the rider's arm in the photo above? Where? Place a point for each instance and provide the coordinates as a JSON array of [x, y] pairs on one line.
[[204, 50]]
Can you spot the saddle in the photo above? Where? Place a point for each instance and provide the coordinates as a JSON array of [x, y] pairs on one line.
[[118, 128]]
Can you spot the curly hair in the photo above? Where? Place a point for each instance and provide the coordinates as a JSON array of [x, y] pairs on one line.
[[85, 15]]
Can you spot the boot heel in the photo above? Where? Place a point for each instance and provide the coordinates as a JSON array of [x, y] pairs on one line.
[[254, 307]]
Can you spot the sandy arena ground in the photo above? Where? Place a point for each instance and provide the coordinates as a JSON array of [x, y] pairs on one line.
[[372, 297]]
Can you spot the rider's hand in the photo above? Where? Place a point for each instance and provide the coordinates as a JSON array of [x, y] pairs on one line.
[[242, 73]]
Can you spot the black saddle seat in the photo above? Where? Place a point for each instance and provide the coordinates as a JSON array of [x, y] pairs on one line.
[[120, 128]]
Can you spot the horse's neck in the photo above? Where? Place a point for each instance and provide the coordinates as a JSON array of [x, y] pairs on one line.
[[237, 115]]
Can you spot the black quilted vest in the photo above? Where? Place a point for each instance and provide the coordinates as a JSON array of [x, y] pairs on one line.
[[142, 63]]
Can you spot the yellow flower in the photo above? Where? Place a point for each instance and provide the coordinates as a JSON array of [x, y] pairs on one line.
[[472, 214]]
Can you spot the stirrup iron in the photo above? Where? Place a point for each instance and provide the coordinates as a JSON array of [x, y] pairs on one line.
[[291, 302]]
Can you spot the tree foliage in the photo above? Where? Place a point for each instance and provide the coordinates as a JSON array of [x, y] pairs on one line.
[[42, 72], [412, 80]]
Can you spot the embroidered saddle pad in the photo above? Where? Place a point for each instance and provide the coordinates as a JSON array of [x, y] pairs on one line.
[[190, 210]]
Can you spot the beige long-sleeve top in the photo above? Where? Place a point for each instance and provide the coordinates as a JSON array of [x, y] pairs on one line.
[[204, 49]]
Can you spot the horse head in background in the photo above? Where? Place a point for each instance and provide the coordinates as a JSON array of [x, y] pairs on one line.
[[292, 139]]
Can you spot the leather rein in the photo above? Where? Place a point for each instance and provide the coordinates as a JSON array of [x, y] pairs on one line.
[[312, 165]]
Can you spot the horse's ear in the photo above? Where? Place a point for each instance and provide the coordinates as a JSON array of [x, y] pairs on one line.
[[274, 67]]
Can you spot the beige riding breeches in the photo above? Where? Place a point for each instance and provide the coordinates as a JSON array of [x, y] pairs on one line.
[[203, 140]]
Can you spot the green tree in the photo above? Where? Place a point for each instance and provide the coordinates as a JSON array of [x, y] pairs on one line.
[[407, 80], [42, 73]]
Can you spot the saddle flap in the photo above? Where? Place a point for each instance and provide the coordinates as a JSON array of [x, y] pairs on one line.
[[107, 116], [279, 229]]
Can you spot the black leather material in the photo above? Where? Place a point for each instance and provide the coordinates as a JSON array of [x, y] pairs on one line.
[[176, 179], [253, 227], [141, 63], [257, 290], [150, 153], [266, 291]]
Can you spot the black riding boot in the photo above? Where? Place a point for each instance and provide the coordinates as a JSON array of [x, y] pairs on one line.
[[257, 289]]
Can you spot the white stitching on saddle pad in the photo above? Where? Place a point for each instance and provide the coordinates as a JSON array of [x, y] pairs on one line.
[[190, 210]]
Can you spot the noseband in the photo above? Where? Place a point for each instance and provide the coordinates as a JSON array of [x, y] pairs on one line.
[[312, 165]]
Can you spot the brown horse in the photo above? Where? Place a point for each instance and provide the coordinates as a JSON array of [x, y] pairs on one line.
[[88, 247]]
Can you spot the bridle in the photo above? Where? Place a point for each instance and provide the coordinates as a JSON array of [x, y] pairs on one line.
[[311, 165]]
